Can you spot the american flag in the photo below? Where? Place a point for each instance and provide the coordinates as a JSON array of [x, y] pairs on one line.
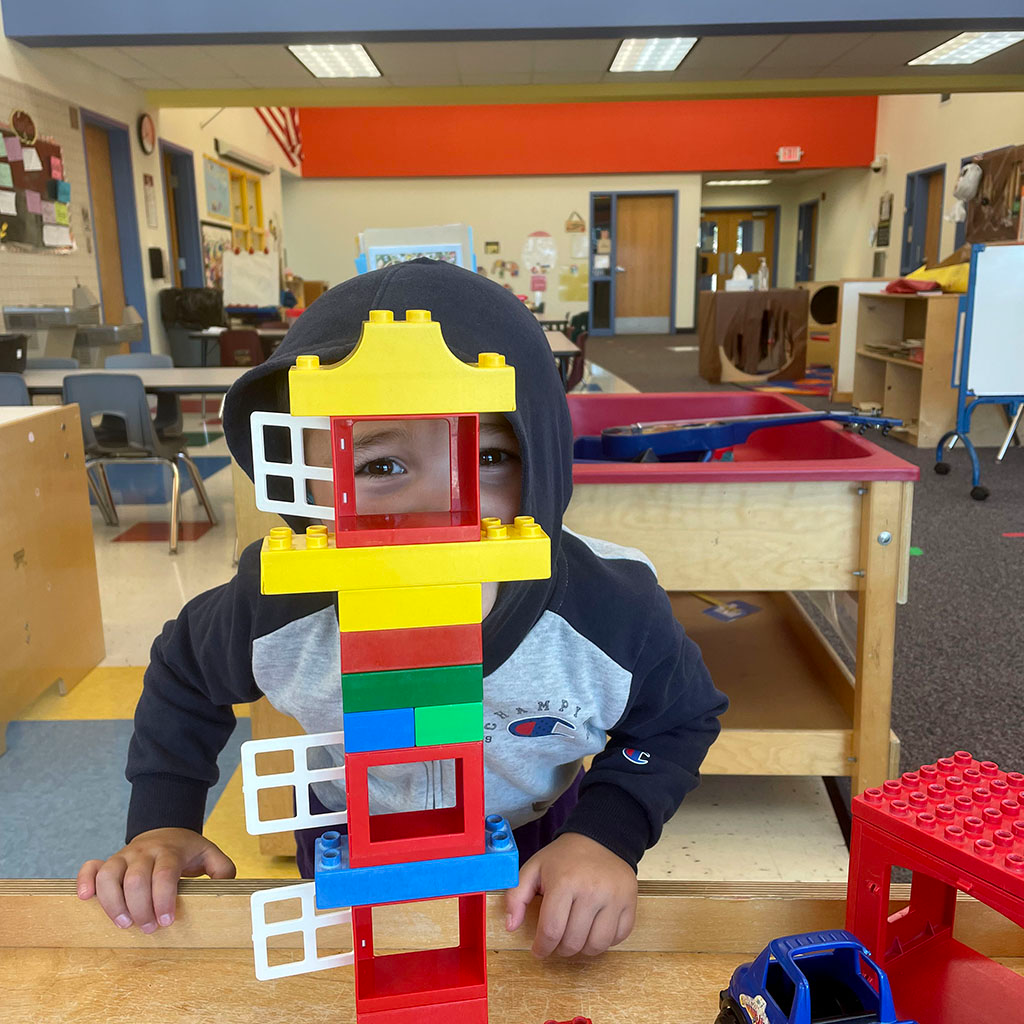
[[283, 125]]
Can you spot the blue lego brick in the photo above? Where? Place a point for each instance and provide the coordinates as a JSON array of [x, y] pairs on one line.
[[338, 885], [380, 730]]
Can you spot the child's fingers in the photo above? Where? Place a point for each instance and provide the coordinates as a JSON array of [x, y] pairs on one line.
[[577, 927], [138, 893], [86, 881], [626, 921], [166, 872], [602, 931], [554, 915], [517, 899], [110, 891], [218, 864]]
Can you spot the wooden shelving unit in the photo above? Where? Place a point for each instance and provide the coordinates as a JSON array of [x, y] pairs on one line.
[[920, 394]]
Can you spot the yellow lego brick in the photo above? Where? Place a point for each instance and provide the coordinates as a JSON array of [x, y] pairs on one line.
[[401, 368], [409, 607], [311, 564]]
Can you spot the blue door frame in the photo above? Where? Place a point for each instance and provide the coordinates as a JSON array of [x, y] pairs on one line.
[[806, 240], [127, 219], [186, 211], [611, 277], [915, 217]]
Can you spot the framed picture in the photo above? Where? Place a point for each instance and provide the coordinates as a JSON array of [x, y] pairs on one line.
[[216, 238], [217, 179], [386, 255], [492, 248]]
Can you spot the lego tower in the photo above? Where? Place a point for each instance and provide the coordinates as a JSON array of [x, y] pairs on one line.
[[409, 610]]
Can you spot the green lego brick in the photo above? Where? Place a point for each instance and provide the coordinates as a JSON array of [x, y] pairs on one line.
[[449, 723], [413, 687]]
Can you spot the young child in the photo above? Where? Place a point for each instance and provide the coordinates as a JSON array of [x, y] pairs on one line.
[[588, 662]]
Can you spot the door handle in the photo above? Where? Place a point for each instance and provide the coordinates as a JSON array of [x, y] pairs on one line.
[[620, 270]]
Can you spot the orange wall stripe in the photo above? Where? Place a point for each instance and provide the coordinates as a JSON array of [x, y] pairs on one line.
[[586, 138]]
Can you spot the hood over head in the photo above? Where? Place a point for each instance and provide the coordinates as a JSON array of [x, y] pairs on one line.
[[475, 315]]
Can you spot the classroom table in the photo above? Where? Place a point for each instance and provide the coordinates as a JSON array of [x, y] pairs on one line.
[[209, 334], [63, 961], [179, 380], [563, 350], [809, 507]]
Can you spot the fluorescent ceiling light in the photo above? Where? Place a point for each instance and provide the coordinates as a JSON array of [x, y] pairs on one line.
[[741, 181], [337, 60], [969, 47], [651, 54]]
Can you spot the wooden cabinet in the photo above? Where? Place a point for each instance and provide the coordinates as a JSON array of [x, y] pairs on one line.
[[50, 626], [904, 365]]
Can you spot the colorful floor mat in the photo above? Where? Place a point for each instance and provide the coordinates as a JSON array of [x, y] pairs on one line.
[[817, 382]]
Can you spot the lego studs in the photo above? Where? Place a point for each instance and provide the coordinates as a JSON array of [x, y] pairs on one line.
[[381, 316], [280, 537], [316, 537], [490, 360], [307, 363]]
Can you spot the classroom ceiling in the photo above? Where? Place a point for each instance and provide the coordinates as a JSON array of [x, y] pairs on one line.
[[556, 69]]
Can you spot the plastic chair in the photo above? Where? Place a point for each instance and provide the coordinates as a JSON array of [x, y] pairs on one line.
[[122, 395], [575, 374], [51, 363], [240, 348], [13, 390], [168, 422]]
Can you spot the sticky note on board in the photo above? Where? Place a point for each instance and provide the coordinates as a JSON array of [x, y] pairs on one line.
[[49, 213], [56, 167], [9, 204], [13, 146], [31, 159], [61, 212], [5, 176], [55, 236], [63, 192], [32, 201]]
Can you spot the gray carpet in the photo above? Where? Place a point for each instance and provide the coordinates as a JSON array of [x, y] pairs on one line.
[[959, 664]]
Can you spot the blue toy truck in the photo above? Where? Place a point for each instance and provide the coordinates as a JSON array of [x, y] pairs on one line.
[[815, 978]]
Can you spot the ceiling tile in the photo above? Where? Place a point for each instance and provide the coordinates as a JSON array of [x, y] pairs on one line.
[[893, 49], [713, 53], [112, 59], [814, 50], [515, 55], [440, 77], [411, 58], [558, 55], [497, 78]]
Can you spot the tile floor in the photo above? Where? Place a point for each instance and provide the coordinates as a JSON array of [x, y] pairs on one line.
[[731, 828]]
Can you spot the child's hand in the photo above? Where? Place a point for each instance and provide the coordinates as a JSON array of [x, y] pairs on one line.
[[139, 884], [589, 897]]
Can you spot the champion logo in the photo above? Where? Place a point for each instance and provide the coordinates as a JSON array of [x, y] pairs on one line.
[[545, 725], [636, 756]]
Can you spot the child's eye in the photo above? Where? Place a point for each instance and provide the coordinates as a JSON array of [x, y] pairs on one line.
[[381, 467], [494, 456]]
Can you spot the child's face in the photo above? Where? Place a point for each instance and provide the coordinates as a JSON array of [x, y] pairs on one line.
[[403, 466]]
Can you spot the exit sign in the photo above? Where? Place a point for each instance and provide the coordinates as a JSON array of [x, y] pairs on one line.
[[789, 154]]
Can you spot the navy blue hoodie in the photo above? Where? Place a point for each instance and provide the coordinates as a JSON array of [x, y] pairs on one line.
[[588, 662]]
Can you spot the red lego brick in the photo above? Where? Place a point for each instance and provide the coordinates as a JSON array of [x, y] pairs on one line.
[[425, 977], [425, 647], [460, 522], [416, 835], [964, 813], [956, 825], [466, 1011]]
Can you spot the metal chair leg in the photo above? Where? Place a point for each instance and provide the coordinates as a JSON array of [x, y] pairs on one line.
[[101, 501], [175, 503], [197, 483], [104, 496], [1011, 433]]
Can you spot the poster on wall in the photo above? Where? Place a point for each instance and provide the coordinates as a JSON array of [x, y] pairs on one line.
[[385, 256], [216, 239], [218, 189]]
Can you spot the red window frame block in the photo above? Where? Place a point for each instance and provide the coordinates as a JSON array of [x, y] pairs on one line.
[[460, 522], [398, 836]]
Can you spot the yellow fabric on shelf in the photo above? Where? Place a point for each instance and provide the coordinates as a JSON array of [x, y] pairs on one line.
[[950, 279]]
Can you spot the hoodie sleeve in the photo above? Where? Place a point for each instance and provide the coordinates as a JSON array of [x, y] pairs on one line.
[[200, 665], [655, 750]]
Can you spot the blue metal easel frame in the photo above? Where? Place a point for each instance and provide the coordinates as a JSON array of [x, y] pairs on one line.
[[967, 400]]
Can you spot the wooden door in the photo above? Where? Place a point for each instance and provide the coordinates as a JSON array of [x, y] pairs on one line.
[[731, 238], [104, 222], [933, 218], [171, 201], [644, 248]]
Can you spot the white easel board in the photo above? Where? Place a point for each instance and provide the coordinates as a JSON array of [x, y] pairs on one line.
[[251, 279], [996, 360]]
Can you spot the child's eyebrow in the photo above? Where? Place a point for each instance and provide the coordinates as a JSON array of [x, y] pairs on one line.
[[381, 435]]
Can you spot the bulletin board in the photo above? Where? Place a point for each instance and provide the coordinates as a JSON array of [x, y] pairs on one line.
[[217, 179], [216, 239], [35, 211]]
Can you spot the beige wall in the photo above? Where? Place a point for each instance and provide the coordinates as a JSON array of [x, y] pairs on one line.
[[325, 215], [47, 84]]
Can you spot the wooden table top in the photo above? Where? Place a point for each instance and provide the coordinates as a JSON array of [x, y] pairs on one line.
[[183, 380], [63, 961]]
